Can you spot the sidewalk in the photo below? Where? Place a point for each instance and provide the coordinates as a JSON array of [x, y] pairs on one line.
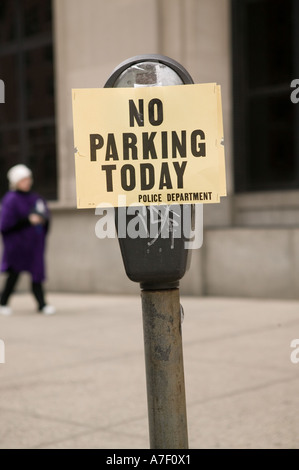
[[77, 379]]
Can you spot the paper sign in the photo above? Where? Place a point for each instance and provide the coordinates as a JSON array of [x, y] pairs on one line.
[[148, 145]]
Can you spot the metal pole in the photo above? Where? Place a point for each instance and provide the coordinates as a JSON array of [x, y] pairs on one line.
[[164, 369]]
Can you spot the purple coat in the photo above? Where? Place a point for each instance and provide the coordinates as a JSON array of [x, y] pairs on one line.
[[24, 244]]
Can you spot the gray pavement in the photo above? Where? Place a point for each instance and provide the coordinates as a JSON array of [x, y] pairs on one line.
[[76, 380]]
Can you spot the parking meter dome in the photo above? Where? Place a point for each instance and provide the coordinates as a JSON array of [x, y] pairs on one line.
[[148, 70], [148, 74]]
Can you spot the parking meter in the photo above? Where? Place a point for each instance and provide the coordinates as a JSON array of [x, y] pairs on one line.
[[118, 157], [160, 256]]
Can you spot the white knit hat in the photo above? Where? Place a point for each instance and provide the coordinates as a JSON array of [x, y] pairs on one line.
[[17, 173]]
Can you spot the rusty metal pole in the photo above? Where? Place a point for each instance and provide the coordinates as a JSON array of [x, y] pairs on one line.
[[164, 369]]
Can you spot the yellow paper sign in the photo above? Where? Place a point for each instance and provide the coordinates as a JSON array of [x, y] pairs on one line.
[[148, 145]]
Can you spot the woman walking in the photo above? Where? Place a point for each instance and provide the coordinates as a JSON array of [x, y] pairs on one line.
[[24, 223]]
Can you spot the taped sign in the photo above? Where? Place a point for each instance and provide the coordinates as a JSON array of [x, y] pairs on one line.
[[148, 145]]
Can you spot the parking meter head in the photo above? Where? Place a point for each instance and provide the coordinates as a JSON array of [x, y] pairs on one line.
[[148, 70], [148, 74], [159, 259]]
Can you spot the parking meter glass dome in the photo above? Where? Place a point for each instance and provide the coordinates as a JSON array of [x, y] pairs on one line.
[[148, 74]]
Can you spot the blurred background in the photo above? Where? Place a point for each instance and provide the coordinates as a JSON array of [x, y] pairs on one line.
[[249, 47]]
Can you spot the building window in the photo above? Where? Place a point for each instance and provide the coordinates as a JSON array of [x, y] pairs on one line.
[[27, 119], [265, 61]]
